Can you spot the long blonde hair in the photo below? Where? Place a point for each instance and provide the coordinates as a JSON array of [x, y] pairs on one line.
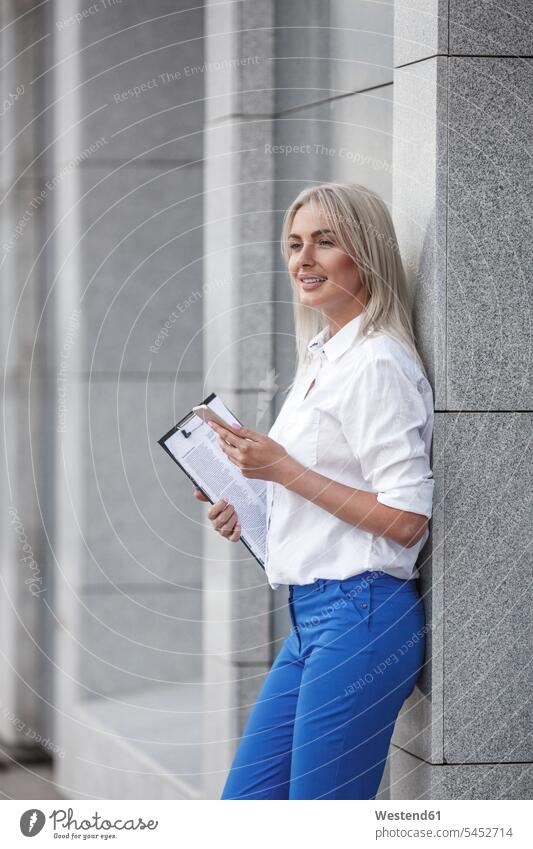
[[364, 230]]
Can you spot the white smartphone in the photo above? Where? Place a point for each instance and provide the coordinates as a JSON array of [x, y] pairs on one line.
[[208, 415]]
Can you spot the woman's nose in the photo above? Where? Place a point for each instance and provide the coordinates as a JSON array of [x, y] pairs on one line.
[[306, 256]]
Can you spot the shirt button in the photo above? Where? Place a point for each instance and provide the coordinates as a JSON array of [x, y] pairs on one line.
[[364, 604]]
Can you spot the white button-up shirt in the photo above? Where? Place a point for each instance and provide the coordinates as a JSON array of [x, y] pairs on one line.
[[367, 422]]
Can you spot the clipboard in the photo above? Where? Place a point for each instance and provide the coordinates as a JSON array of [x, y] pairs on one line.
[[181, 425]]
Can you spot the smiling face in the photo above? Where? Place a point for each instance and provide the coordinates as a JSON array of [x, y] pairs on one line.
[[314, 252]]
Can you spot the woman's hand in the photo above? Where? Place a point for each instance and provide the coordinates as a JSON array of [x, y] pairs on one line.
[[256, 455], [223, 517]]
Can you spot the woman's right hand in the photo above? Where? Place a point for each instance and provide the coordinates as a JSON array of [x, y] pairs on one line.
[[223, 517]]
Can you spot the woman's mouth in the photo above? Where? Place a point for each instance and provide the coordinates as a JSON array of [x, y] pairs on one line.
[[312, 281]]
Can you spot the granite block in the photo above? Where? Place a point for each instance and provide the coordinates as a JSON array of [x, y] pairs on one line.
[[420, 30], [237, 622], [329, 50], [238, 255], [142, 80], [136, 638], [141, 522], [241, 51], [487, 604], [412, 778], [23, 93], [141, 298], [230, 692], [468, 706], [164, 723], [490, 257], [100, 763], [419, 203], [495, 29], [346, 140], [419, 727]]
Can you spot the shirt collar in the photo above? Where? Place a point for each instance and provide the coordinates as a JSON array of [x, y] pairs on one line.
[[339, 342]]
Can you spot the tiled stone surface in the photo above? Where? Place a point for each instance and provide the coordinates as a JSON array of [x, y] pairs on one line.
[[240, 49], [488, 594], [237, 267], [142, 523], [133, 639], [238, 348], [236, 618], [419, 728], [101, 764], [495, 29], [490, 258], [230, 691], [24, 55], [28, 402], [142, 80], [412, 778], [141, 250], [419, 205], [164, 723], [35, 781], [327, 50], [420, 30], [469, 704]]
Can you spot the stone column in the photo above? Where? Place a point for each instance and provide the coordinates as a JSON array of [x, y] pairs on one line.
[[462, 207], [238, 348], [27, 388], [129, 91]]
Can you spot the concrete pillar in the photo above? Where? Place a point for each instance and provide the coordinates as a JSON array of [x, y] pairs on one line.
[[462, 104], [26, 515], [129, 90], [238, 348]]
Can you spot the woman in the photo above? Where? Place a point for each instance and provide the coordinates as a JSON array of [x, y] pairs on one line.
[[350, 491]]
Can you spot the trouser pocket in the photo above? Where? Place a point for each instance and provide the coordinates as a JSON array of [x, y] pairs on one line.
[[358, 596]]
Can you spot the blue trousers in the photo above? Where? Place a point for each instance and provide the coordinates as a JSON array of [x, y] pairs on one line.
[[324, 717]]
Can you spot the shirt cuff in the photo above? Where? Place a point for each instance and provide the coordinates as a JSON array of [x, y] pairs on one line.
[[416, 499]]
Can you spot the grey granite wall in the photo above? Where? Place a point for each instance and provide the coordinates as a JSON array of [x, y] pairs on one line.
[[462, 206]]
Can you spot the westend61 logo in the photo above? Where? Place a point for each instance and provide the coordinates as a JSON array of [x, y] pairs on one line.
[[33, 820]]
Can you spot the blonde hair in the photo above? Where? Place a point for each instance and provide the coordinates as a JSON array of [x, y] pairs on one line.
[[364, 230]]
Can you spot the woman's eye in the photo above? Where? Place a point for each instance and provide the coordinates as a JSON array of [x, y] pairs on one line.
[[294, 245], [325, 242]]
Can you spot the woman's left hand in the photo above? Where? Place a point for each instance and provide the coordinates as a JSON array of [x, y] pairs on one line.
[[256, 455]]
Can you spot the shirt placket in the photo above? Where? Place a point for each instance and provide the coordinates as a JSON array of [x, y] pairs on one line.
[[318, 366]]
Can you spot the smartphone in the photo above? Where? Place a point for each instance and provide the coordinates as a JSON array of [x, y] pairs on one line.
[[208, 415]]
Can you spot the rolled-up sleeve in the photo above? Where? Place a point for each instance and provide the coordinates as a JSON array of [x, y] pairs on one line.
[[387, 419]]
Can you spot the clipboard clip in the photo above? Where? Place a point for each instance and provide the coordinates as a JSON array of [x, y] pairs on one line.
[[184, 432]]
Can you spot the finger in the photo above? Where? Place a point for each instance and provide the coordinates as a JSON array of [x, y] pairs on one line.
[[228, 527], [224, 517], [216, 509], [236, 533], [246, 433], [237, 430], [200, 495]]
